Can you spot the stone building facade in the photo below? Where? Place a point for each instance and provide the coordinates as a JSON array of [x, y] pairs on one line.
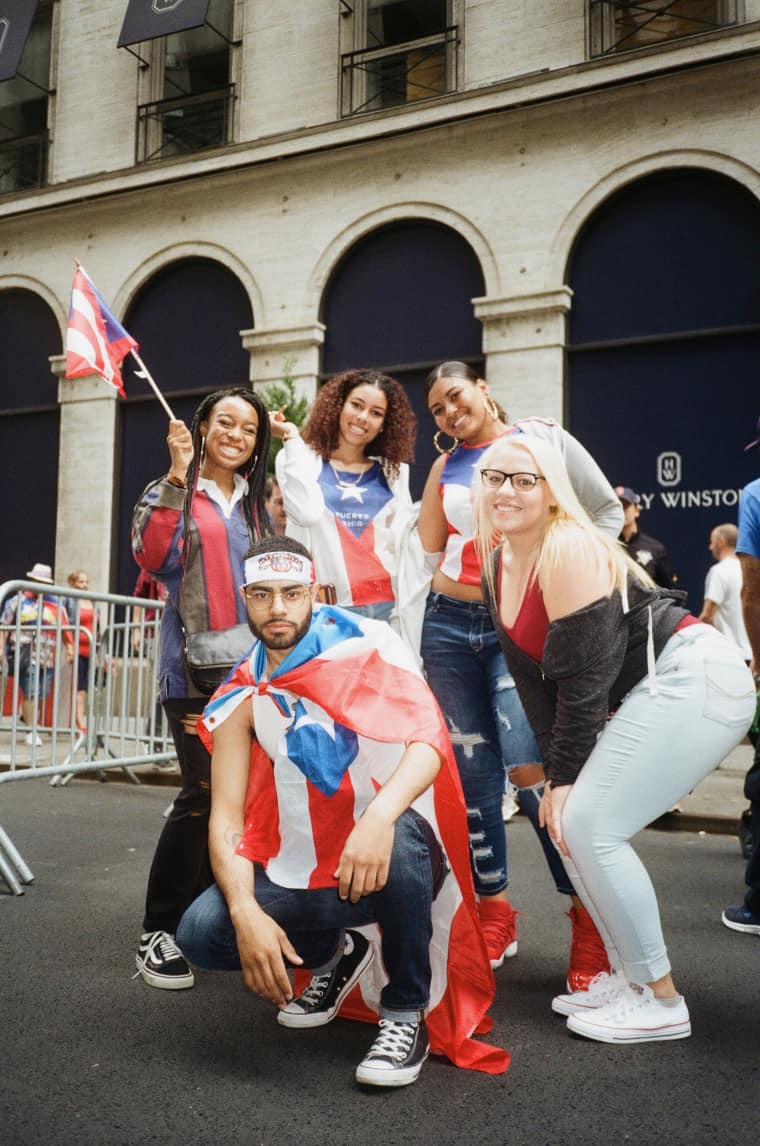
[[563, 192]]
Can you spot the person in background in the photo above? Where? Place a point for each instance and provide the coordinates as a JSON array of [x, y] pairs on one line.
[[633, 700], [463, 662], [275, 507], [723, 589], [81, 611], [745, 916], [191, 529], [36, 655], [650, 553], [345, 482]]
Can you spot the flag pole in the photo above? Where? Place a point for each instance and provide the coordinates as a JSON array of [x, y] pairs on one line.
[[143, 372]]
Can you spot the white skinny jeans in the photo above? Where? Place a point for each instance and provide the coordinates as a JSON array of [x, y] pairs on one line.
[[653, 751]]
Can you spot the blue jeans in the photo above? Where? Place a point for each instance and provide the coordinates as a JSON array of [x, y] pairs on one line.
[[315, 919], [489, 730], [652, 751]]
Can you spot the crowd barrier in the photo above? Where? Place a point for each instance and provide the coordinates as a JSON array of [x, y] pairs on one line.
[[43, 653]]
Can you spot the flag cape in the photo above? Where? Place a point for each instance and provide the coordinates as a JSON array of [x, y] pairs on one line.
[[96, 342], [365, 679]]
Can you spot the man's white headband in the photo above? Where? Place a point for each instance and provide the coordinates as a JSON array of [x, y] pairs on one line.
[[279, 566]]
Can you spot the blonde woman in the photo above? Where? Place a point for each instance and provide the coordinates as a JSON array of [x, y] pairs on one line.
[[586, 634]]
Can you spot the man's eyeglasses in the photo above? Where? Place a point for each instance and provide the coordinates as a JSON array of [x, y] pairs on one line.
[[521, 483], [263, 599]]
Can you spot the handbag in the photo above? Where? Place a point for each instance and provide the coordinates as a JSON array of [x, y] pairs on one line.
[[211, 655]]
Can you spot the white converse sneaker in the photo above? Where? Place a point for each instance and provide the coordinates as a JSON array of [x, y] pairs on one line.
[[602, 989], [635, 1016]]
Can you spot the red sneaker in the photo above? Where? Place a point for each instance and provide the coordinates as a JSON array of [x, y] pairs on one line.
[[499, 925], [588, 956]]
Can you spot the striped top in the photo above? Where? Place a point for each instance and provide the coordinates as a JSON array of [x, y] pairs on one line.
[[207, 598]]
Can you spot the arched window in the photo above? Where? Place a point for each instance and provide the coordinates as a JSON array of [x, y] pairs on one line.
[[664, 351], [187, 319], [29, 426], [399, 301]]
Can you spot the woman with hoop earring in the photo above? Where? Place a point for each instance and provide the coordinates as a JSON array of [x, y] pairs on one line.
[[463, 661], [345, 484]]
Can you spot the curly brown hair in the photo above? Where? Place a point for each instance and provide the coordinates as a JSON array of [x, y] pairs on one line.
[[395, 442]]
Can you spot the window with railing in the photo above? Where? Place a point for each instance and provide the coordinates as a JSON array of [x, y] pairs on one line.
[[625, 25], [194, 95], [24, 134], [403, 51]]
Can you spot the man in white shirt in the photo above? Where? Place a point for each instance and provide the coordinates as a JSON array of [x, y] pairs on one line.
[[723, 589]]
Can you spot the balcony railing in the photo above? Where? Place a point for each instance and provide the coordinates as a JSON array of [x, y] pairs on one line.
[[625, 25], [184, 124], [23, 162], [377, 78]]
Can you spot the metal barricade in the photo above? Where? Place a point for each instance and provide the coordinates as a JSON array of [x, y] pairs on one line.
[[43, 660]]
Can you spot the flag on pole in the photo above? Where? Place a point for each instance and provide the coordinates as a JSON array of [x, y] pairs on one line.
[[96, 342]]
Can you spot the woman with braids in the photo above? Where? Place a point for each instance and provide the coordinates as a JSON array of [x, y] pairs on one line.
[[464, 664], [190, 530], [345, 483]]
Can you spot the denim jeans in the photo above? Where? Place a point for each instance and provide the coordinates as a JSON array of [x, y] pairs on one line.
[[652, 751], [465, 669], [181, 868], [315, 919]]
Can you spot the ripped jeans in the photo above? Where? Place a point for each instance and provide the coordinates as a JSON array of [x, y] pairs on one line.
[[465, 669]]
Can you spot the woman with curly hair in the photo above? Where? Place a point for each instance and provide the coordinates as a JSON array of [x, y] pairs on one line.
[[345, 483], [191, 530]]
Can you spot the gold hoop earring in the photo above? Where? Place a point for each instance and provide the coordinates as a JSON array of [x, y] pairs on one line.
[[444, 449], [491, 408]]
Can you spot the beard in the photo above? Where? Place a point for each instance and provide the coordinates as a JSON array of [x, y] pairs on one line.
[[280, 641]]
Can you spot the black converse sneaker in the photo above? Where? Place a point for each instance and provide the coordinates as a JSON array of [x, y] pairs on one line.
[[161, 963], [396, 1056], [320, 1001]]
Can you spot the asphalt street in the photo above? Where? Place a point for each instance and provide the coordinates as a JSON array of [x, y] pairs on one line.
[[91, 1056]]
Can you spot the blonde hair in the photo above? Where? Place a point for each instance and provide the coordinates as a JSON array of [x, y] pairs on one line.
[[568, 514]]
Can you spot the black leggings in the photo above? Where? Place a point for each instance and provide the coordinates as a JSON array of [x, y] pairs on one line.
[[181, 869]]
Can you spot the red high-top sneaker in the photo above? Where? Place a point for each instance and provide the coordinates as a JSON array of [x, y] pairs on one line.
[[587, 954], [499, 926]]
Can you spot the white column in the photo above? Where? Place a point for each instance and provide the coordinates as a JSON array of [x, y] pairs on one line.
[[524, 346], [294, 351], [86, 476]]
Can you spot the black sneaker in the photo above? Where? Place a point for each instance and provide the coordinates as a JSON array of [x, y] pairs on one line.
[[161, 963], [741, 919], [396, 1056], [320, 1001]]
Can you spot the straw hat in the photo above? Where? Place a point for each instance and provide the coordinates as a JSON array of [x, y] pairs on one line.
[[40, 572]]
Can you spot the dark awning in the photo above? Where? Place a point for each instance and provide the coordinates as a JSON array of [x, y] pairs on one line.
[[147, 19], [15, 21]]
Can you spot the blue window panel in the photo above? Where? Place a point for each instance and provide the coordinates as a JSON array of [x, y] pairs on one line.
[[187, 320], [673, 252], [402, 297]]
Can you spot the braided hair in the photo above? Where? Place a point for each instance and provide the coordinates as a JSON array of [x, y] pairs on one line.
[[254, 470]]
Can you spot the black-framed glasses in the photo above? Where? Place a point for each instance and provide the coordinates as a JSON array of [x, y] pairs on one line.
[[521, 483], [263, 599]]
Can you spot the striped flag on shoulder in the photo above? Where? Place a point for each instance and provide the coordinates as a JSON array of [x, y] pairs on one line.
[[96, 342]]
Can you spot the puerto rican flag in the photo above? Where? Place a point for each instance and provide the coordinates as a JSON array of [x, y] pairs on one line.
[[96, 342], [351, 678]]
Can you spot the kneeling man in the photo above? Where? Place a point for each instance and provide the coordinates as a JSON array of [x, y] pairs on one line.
[[338, 833]]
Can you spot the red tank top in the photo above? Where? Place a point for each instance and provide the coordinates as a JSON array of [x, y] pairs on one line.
[[531, 623]]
